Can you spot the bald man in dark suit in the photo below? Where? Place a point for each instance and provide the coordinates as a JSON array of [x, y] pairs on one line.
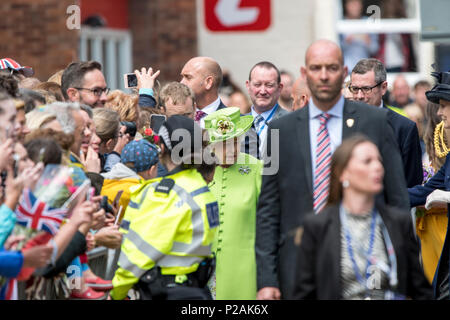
[[300, 185]]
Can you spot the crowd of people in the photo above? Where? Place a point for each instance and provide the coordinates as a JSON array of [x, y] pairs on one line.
[[291, 189], [395, 50]]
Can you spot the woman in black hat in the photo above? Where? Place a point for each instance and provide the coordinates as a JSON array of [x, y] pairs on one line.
[[437, 190]]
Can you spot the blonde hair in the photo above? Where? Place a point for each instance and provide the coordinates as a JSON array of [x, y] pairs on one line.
[[124, 104], [56, 77], [52, 88], [48, 96], [37, 118], [29, 83], [106, 123], [176, 91]]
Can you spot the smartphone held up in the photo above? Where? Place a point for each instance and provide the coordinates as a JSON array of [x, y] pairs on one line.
[[156, 121], [130, 80]]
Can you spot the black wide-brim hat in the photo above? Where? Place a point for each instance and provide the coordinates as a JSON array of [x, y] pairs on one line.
[[442, 88]]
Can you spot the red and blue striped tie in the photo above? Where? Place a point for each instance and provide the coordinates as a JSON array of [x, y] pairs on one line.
[[323, 160]]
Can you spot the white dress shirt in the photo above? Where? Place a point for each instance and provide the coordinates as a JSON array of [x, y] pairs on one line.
[[263, 131], [210, 108], [334, 126]]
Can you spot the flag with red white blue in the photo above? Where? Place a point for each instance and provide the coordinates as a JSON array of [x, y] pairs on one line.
[[37, 215]]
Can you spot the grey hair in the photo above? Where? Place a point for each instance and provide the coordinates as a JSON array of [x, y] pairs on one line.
[[365, 65], [63, 112]]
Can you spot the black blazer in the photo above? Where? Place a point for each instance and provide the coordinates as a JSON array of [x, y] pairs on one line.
[[286, 196], [221, 105], [407, 137], [318, 269]]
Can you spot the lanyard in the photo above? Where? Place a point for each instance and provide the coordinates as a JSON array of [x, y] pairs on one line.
[[348, 238], [268, 119], [392, 270], [393, 280]]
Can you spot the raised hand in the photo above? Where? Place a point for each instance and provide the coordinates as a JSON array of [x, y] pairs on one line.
[[91, 161], [124, 138], [146, 78], [6, 153]]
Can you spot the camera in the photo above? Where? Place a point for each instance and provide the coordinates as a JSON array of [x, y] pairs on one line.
[[106, 206], [131, 128]]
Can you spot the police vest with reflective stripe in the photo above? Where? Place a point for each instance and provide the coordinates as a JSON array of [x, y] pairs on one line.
[[170, 223]]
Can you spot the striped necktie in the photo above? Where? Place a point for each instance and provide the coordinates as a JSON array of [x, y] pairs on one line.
[[258, 122], [323, 161]]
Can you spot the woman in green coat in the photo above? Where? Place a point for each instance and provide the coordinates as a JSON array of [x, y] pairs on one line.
[[236, 185]]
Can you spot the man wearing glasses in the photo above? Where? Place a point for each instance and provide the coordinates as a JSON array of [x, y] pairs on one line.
[[84, 82], [368, 84]]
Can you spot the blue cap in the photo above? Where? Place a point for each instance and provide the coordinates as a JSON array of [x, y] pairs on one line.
[[141, 153]]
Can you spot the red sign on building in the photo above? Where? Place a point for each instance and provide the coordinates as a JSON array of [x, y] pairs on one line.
[[237, 15]]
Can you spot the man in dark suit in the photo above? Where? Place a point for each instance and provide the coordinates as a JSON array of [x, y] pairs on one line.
[[204, 76], [287, 196], [264, 88], [368, 84]]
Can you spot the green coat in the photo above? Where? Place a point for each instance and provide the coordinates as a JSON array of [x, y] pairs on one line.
[[237, 193]]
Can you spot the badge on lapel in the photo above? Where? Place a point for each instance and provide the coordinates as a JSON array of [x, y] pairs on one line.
[[350, 122]]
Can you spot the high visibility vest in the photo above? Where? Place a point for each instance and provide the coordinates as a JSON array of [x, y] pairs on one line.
[[170, 223], [398, 110]]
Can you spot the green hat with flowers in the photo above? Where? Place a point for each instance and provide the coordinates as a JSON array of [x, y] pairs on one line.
[[227, 123]]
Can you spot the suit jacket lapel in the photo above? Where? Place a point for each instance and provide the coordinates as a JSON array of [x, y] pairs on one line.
[[304, 143], [350, 120], [334, 231], [221, 105], [278, 113]]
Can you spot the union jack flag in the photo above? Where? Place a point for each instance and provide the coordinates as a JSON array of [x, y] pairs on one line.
[[37, 215], [9, 63]]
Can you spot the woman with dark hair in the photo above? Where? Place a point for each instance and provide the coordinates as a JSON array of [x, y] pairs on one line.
[[357, 248], [44, 150], [169, 223]]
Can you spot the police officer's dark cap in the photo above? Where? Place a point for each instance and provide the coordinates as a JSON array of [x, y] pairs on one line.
[[442, 88]]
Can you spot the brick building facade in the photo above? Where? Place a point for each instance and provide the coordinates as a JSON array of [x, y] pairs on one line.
[[34, 33], [164, 34]]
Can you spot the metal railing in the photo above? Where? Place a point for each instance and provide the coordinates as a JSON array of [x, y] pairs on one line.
[[110, 47]]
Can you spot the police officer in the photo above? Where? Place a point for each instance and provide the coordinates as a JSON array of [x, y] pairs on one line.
[[170, 222]]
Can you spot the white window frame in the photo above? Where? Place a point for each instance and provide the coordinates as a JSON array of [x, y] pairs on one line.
[[424, 50], [118, 62]]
